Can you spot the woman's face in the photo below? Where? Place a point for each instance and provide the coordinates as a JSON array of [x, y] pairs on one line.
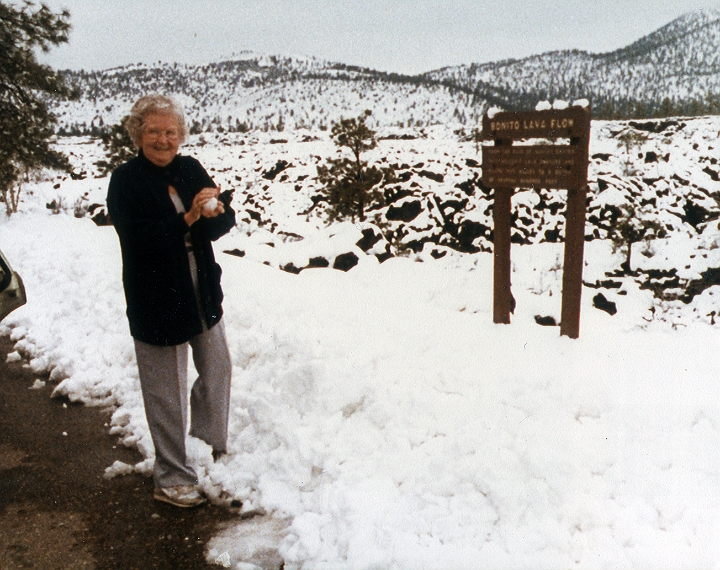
[[160, 139]]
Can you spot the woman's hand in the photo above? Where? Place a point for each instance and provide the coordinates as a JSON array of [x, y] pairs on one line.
[[205, 204]]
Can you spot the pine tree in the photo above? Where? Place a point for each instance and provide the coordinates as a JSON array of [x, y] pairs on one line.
[[632, 226], [118, 146], [630, 139], [26, 124], [350, 185]]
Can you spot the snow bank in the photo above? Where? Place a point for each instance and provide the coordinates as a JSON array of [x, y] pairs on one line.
[[382, 420]]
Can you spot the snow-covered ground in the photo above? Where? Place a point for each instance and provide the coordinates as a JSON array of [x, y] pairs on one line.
[[378, 415]]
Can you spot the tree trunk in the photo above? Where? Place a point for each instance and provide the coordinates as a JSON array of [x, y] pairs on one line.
[[626, 266]]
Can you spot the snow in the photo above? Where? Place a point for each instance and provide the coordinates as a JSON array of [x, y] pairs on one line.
[[381, 419], [210, 205]]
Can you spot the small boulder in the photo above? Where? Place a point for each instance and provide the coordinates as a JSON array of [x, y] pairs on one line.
[[290, 268], [318, 262], [345, 261], [236, 252], [369, 239], [99, 215], [601, 302], [545, 321], [435, 176], [275, 170], [406, 212]]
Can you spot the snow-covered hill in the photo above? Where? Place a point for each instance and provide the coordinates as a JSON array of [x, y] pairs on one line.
[[674, 70], [267, 93]]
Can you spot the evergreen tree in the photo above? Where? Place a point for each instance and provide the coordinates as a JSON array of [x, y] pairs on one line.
[[477, 137], [118, 146], [350, 185], [632, 226], [630, 139], [26, 124]]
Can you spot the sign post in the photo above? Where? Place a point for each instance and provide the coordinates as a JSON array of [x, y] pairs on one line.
[[548, 163], [502, 294]]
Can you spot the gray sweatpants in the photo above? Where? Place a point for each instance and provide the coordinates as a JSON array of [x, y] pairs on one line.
[[163, 374]]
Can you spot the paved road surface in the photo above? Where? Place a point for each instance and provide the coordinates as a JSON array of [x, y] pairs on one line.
[[56, 509]]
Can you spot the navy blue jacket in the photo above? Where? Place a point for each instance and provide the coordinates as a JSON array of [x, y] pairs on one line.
[[162, 308]]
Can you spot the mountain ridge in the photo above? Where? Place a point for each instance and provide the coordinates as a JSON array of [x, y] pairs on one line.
[[672, 71]]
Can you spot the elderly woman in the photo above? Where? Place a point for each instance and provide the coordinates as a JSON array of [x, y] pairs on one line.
[[167, 210]]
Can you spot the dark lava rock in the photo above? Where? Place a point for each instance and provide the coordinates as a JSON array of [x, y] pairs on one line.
[[602, 303], [275, 170], [432, 175], [406, 212], [547, 321], [318, 262], [345, 261], [369, 239]]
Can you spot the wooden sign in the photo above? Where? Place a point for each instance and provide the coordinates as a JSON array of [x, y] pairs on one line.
[[553, 154], [536, 166], [573, 122], [538, 163]]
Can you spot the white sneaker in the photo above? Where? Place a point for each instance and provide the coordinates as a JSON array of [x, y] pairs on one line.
[[180, 496]]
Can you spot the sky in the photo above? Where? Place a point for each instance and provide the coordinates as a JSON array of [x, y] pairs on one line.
[[404, 36]]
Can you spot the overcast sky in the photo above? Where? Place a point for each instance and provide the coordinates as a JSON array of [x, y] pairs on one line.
[[406, 36]]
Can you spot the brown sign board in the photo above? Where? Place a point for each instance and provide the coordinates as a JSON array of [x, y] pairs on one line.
[[544, 165], [541, 166], [573, 122]]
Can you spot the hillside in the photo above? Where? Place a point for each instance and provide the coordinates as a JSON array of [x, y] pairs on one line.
[[674, 71], [268, 93]]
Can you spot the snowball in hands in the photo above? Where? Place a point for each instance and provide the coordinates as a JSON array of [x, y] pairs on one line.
[[210, 205]]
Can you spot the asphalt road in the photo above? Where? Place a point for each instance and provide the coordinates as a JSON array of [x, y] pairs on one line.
[[56, 509]]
